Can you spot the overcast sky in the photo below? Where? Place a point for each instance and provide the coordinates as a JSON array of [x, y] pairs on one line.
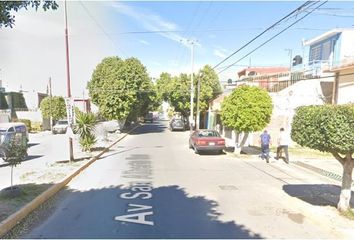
[[34, 49]]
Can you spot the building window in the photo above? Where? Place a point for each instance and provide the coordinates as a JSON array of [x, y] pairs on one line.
[[326, 50], [315, 53]]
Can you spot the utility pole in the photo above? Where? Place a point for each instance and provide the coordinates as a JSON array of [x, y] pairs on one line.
[[198, 103], [191, 117], [290, 53], [50, 104], [71, 151]]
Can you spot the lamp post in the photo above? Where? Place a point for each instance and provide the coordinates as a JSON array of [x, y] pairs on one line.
[[71, 151]]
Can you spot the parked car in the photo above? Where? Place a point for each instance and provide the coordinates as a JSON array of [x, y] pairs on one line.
[[149, 117], [60, 127], [9, 131], [206, 140], [177, 124]]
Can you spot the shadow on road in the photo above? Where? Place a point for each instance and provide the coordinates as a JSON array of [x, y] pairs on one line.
[[32, 144], [316, 194], [149, 128], [171, 212], [28, 158]]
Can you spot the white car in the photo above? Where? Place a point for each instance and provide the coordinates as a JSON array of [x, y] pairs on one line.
[[60, 127]]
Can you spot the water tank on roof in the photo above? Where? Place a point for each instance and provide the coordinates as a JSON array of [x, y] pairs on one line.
[[297, 60]]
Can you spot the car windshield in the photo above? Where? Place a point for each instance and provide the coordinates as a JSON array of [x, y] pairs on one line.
[[208, 134], [63, 122]]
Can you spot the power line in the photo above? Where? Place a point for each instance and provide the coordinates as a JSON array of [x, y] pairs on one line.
[[180, 48], [266, 30], [101, 27], [227, 67]]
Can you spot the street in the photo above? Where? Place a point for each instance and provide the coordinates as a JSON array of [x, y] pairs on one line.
[[153, 186]]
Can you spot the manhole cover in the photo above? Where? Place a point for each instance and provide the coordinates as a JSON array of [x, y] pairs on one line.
[[228, 187]]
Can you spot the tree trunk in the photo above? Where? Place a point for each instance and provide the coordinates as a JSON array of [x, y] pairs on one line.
[[238, 144], [244, 139], [12, 171], [237, 137], [344, 200]]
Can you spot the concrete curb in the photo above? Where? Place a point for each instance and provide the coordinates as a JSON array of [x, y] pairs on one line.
[[329, 174], [15, 218]]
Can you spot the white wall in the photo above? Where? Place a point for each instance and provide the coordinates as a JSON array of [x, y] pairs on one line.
[[34, 116], [347, 45], [346, 87]]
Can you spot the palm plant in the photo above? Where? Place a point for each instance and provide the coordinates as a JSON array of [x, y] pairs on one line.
[[85, 127]]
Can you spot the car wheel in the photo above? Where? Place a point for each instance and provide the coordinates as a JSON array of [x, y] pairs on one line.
[[196, 150], [221, 151], [190, 145]]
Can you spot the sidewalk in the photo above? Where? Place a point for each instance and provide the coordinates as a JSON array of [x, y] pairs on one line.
[[44, 153], [325, 166]]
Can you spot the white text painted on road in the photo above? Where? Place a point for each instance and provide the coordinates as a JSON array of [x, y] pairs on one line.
[[140, 169]]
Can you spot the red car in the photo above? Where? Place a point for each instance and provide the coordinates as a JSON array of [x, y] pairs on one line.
[[206, 140]]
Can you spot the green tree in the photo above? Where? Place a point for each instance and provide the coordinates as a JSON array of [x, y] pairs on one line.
[[247, 109], [163, 86], [179, 94], [329, 128], [120, 88], [54, 107], [7, 19], [13, 152], [209, 86], [176, 90], [109, 89]]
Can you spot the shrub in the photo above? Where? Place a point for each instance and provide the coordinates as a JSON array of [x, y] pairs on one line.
[[36, 126], [329, 128], [87, 142], [85, 127], [27, 122]]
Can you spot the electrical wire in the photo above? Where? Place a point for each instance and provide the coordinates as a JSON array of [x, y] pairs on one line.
[[101, 27], [238, 81], [266, 30], [270, 39]]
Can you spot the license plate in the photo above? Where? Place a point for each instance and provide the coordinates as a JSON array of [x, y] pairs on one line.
[[212, 143]]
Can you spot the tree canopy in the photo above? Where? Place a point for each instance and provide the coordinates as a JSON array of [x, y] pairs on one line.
[[326, 128], [247, 109], [54, 107], [209, 86], [329, 128], [121, 88], [176, 90], [7, 19]]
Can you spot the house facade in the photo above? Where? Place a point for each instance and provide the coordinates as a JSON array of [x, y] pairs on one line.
[[331, 58]]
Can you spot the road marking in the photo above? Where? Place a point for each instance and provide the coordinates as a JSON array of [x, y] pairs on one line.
[[139, 168]]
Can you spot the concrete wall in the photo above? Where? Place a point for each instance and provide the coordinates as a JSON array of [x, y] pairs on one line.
[[347, 45], [346, 87], [303, 93]]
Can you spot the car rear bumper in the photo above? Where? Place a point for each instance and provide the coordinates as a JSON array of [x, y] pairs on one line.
[[210, 147], [59, 131]]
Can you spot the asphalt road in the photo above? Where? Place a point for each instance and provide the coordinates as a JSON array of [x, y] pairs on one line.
[[152, 186]]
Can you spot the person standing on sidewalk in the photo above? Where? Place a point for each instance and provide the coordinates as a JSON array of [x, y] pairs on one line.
[[265, 142], [283, 142]]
